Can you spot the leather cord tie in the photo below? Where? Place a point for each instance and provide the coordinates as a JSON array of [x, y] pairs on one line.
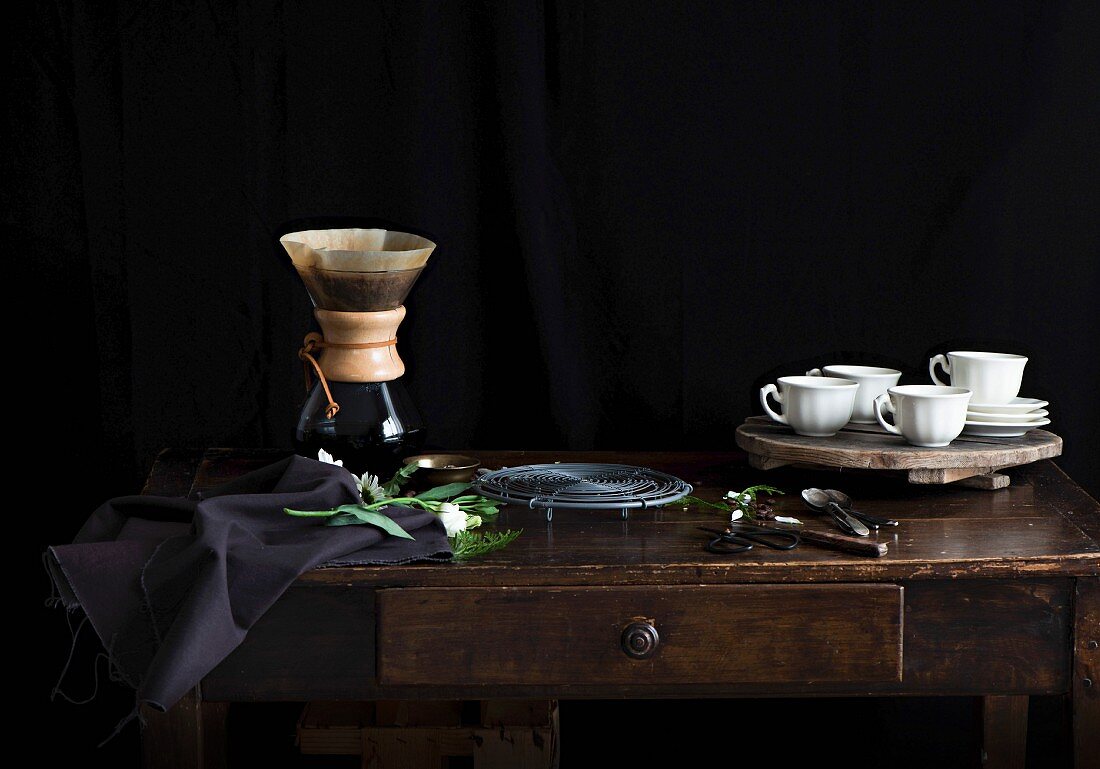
[[314, 341]]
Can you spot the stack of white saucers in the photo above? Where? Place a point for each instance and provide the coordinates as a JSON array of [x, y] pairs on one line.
[[1006, 420]]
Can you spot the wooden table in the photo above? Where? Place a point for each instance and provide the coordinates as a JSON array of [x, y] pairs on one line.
[[990, 594]]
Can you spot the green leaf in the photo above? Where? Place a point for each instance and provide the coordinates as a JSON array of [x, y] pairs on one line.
[[344, 519], [486, 507], [351, 515], [351, 508], [397, 502], [752, 491], [696, 502], [443, 492], [393, 486], [470, 544]]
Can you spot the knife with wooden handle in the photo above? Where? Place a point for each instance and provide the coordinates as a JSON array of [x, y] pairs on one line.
[[854, 545]]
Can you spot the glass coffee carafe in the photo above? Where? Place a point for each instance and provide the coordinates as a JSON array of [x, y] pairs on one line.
[[357, 408]]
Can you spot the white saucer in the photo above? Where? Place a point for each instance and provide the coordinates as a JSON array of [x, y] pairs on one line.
[[1014, 406], [1002, 429], [1031, 416]]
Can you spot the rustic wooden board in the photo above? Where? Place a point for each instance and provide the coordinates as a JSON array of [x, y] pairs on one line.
[[974, 460], [336, 727], [526, 748]]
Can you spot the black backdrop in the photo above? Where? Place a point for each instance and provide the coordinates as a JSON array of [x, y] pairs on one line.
[[643, 210]]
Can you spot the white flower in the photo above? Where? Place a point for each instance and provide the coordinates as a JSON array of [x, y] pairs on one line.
[[454, 520], [736, 515], [324, 456], [370, 489], [738, 498]]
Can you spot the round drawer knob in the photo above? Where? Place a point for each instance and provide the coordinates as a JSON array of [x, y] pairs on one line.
[[639, 640]]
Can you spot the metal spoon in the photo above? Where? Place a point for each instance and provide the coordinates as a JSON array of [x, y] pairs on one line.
[[845, 501], [816, 499]]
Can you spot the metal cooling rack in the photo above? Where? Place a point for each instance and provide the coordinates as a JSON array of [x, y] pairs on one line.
[[581, 486]]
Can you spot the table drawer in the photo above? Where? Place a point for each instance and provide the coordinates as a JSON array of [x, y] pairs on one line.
[[640, 635]]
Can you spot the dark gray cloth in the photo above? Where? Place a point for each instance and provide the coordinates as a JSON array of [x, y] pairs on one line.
[[172, 586]]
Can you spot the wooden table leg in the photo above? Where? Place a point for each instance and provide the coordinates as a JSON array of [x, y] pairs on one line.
[[191, 734], [1004, 732], [1086, 674]]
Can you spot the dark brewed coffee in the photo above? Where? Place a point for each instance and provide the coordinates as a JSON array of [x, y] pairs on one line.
[[376, 427]]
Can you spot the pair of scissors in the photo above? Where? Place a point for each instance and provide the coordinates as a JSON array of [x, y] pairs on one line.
[[739, 538]]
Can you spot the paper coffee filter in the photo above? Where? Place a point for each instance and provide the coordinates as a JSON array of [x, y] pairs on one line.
[[357, 250]]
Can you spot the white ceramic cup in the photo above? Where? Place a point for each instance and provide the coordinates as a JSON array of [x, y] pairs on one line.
[[993, 377], [873, 381], [925, 415], [812, 405]]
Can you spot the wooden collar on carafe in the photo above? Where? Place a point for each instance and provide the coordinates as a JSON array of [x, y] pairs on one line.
[[353, 347]]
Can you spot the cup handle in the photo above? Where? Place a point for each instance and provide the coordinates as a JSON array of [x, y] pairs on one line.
[[942, 360], [884, 400], [764, 391], [814, 372]]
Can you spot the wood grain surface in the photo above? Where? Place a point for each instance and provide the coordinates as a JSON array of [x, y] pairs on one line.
[[707, 634], [878, 450], [1001, 599], [190, 735], [1032, 529], [959, 637], [1004, 732], [1086, 675]]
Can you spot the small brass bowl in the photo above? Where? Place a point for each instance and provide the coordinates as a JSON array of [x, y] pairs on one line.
[[438, 469]]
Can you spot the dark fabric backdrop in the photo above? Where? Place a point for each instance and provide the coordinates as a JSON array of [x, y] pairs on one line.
[[640, 210], [643, 210]]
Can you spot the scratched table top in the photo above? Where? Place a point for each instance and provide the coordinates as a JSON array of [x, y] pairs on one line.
[[1043, 525]]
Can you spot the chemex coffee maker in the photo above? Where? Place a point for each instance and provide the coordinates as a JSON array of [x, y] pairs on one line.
[[356, 407]]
